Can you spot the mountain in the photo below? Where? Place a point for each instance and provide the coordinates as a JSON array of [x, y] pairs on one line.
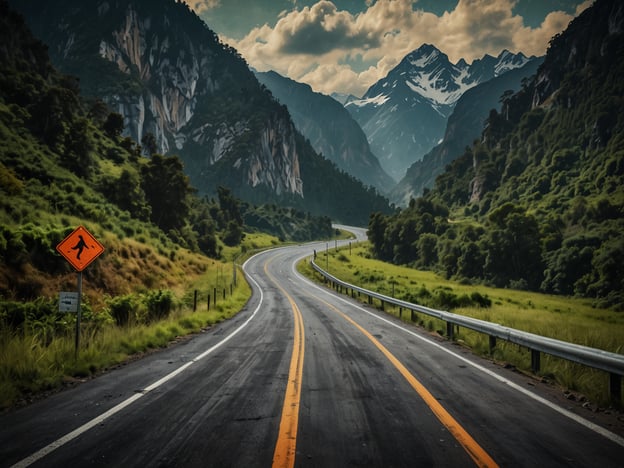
[[464, 125], [330, 129], [405, 113], [58, 169], [537, 202], [181, 91], [64, 163], [344, 98]]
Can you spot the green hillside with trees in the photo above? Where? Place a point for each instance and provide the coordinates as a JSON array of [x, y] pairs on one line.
[[538, 202], [65, 163]]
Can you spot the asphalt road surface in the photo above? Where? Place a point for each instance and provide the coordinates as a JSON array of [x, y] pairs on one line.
[[303, 377]]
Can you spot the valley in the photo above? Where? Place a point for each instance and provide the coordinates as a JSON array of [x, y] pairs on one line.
[[490, 186]]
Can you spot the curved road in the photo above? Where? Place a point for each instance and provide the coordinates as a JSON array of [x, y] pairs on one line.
[[302, 377]]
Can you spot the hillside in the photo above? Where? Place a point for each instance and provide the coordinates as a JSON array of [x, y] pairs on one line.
[[538, 202], [181, 91], [51, 172], [64, 162]]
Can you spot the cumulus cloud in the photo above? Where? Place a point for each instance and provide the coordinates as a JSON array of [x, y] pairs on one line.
[[320, 29], [317, 44], [200, 6]]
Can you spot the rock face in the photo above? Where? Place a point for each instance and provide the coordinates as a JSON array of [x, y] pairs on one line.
[[161, 68], [404, 114], [330, 129], [166, 108]]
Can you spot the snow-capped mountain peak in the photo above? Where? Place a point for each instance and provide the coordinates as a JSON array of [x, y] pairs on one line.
[[507, 61], [404, 114]]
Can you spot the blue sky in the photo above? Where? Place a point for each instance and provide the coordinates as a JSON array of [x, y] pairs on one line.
[[347, 45]]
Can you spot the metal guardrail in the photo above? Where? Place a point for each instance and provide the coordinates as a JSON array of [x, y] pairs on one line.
[[613, 363]]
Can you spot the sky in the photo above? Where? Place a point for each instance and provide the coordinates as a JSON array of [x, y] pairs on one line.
[[346, 46]]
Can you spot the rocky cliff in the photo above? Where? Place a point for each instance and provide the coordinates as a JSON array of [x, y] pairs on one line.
[[330, 129], [169, 76]]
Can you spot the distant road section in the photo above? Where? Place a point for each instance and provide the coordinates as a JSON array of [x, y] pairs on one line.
[[303, 377]]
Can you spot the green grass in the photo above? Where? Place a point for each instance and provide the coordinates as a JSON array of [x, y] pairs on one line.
[[30, 365], [251, 243], [563, 318]]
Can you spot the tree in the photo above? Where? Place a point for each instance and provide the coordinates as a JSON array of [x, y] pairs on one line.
[[427, 249], [470, 263], [98, 112], [150, 145], [233, 233], [77, 156], [167, 190], [230, 206], [114, 125], [126, 192], [513, 251]]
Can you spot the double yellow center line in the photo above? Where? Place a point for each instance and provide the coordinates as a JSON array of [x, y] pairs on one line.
[[286, 446]]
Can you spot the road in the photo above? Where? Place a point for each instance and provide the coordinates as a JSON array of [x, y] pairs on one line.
[[302, 377]]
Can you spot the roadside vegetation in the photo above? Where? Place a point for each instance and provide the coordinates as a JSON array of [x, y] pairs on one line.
[[37, 342], [569, 319], [65, 162]]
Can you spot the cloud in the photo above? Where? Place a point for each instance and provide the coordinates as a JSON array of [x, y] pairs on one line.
[[317, 44], [200, 6], [320, 29]]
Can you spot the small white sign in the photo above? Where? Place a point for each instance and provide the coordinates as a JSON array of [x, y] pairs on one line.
[[68, 302]]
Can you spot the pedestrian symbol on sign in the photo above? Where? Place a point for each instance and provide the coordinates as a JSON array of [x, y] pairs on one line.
[[79, 246]]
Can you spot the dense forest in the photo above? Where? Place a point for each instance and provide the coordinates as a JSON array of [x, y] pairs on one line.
[[538, 202], [64, 162]]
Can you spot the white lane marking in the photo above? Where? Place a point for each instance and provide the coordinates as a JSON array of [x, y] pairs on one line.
[[569, 414], [116, 409]]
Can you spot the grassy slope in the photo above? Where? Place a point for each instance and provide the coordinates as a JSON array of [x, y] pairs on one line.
[[568, 319]]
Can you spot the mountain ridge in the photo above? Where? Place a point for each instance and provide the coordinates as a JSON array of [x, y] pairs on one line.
[[168, 74], [464, 125], [329, 127], [537, 202], [404, 114]]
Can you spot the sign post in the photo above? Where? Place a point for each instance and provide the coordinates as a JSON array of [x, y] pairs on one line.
[[79, 248]]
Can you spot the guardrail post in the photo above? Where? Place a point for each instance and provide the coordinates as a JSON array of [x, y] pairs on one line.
[[195, 301], [535, 361], [615, 387], [492, 343], [449, 330], [401, 312], [414, 317], [382, 305]]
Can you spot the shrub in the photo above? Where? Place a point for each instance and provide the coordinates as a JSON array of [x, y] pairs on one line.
[[122, 308], [159, 304], [480, 300]]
